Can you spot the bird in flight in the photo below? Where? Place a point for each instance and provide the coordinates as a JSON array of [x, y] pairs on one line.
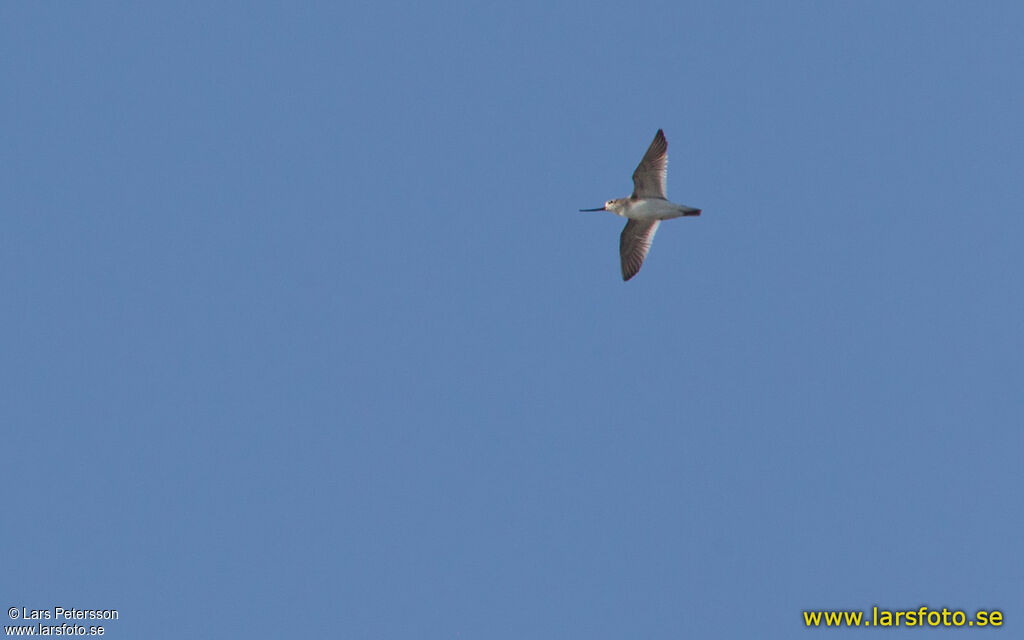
[[646, 208]]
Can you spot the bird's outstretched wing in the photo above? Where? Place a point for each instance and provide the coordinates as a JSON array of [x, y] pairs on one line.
[[634, 243], [649, 177]]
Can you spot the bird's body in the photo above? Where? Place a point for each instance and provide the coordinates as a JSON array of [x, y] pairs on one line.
[[646, 208], [650, 209]]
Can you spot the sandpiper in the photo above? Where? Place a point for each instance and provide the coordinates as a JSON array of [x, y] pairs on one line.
[[646, 208]]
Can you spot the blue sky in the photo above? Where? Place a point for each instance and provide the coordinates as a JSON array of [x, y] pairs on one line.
[[303, 332]]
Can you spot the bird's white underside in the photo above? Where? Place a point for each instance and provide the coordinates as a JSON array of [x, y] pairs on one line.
[[652, 209]]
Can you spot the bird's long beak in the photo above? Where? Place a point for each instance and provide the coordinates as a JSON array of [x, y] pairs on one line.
[[597, 209]]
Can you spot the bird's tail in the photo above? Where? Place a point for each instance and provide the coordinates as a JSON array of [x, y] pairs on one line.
[[690, 211]]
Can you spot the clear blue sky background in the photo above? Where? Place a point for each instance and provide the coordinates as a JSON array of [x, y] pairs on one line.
[[303, 333]]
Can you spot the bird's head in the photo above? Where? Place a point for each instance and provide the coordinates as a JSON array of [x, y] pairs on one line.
[[615, 205]]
